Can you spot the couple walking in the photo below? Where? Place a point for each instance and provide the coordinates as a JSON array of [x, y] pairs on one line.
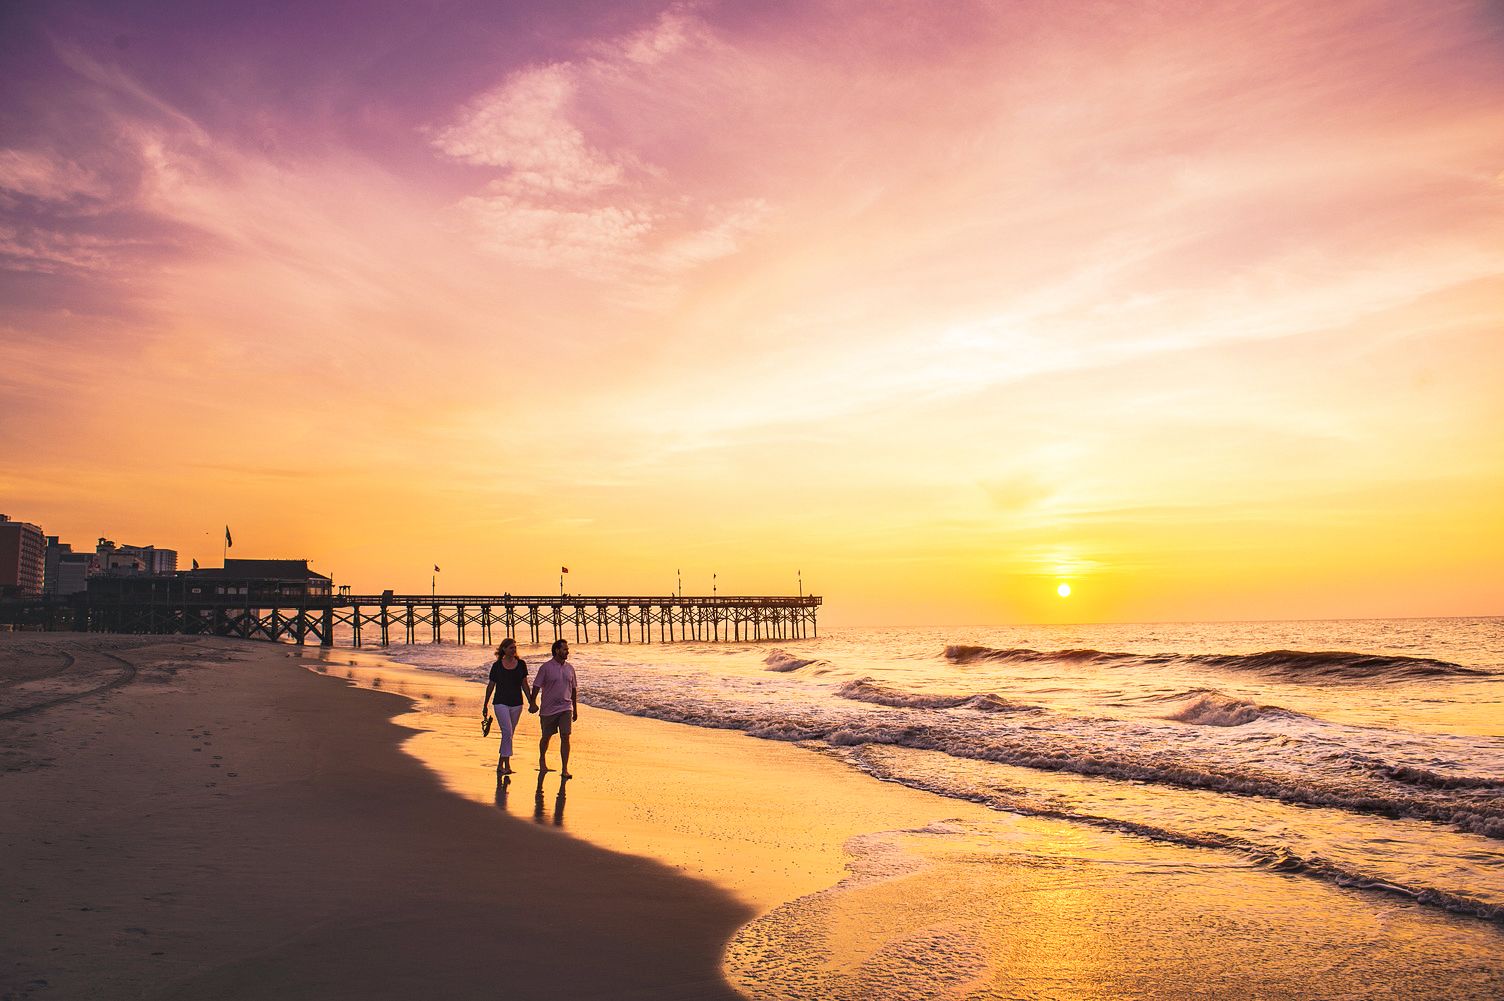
[[554, 695]]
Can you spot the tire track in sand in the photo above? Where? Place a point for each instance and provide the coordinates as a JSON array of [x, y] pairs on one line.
[[51, 672], [125, 677]]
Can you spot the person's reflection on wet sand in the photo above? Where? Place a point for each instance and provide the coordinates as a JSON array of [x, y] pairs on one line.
[[539, 810], [503, 786]]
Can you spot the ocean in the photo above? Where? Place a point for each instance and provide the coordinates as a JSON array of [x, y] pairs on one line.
[[1361, 756]]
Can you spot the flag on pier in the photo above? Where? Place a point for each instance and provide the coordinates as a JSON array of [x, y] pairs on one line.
[[195, 564], [436, 568], [229, 542], [563, 570]]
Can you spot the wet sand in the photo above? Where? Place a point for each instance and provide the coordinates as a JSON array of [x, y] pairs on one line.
[[225, 822], [871, 891]]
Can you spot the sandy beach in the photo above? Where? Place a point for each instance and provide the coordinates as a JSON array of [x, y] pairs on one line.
[[226, 824], [192, 818]]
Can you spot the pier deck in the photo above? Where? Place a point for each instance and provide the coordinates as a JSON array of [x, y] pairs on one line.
[[388, 618]]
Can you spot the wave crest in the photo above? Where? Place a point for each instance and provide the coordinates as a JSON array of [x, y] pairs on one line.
[[783, 662], [1208, 707], [865, 690], [1284, 665]]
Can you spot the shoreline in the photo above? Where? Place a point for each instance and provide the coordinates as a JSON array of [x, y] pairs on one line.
[[229, 824], [766, 821]]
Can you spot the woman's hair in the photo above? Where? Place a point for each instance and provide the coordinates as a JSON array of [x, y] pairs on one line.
[[501, 647], [557, 643]]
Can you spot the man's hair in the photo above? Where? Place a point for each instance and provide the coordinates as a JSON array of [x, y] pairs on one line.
[[558, 643]]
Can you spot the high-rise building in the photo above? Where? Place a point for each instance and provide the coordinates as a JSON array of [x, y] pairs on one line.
[[23, 558], [154, 560], [55, 552], [135, 559], [73, 573]]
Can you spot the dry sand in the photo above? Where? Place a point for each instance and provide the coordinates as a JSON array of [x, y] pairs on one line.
[[219, 822]]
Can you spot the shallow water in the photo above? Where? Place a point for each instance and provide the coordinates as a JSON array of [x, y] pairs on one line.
[[1361, 759]]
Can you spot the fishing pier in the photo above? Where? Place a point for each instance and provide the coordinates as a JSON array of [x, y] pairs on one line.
[[386, 618]]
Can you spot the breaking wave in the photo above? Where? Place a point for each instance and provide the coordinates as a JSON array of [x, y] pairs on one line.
[[778, 660], [1091, 748], [1275, 859], [1209, 707], [1285, 665], [865, 690]]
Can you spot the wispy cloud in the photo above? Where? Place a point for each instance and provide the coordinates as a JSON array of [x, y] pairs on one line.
[[593, 206], [525, 127], [47, 177]]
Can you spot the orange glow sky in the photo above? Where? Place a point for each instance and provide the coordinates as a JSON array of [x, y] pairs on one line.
[[1198, 307]]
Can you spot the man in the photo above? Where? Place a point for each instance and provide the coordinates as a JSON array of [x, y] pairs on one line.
[[558, 704]]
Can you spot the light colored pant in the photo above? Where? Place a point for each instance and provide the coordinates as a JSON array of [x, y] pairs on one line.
[[507, 716]]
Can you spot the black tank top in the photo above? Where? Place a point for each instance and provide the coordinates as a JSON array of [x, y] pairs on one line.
[[508, 683]]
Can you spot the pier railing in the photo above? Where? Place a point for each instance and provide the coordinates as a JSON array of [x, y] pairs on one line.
[[412, 618]]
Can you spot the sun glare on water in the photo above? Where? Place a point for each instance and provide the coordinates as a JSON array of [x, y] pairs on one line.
[[1064, 590]]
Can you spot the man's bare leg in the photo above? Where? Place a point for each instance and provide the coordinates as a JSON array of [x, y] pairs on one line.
[[564, 754], [543, 754]]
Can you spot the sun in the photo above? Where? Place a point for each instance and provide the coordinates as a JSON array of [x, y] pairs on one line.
[[1064, 590]]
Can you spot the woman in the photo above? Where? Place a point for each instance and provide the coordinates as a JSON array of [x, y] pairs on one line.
[[509, 683]]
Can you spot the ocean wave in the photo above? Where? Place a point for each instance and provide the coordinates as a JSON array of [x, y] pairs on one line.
[[865, 690], [778, 660], [1277, 859], [1285, 665], [1336, 665], [1425, 777], [1098, 749], [958, 653], [1208, 707]]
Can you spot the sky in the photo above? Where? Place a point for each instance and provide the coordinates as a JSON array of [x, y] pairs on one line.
[[926, 308]]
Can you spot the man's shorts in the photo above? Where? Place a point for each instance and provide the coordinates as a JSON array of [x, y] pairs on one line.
[[557, 723]]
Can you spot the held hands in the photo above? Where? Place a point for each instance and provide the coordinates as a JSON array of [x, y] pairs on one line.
[[532, 707]]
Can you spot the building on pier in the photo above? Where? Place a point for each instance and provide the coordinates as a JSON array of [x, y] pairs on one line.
[[242, 581]]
